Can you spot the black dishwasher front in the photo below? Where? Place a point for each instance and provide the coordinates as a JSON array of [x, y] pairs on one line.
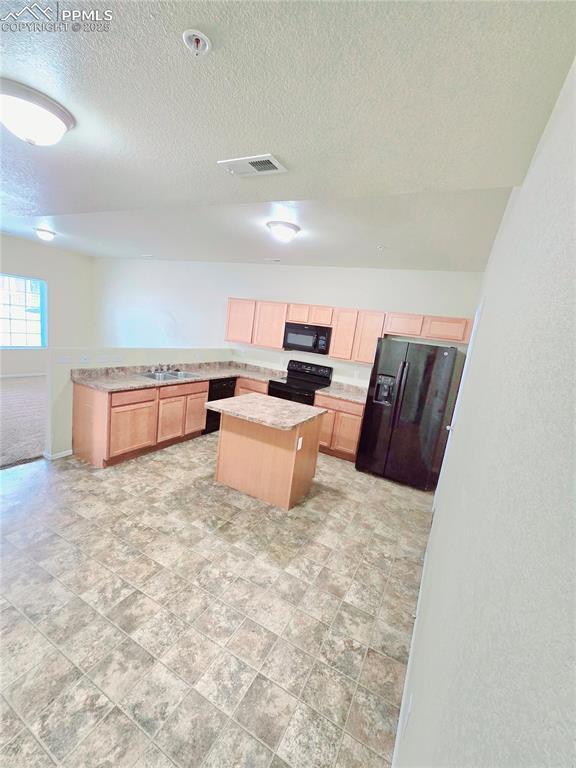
[[218, 389]]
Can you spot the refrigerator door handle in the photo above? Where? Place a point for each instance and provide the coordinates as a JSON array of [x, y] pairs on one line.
[[402, 377]]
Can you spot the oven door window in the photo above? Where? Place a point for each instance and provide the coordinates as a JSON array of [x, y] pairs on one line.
[[301, 340]]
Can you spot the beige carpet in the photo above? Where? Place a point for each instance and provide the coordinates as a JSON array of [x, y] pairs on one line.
[[23, 411]]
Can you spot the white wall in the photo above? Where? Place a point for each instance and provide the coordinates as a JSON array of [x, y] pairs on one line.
[[491, 671], [183, 304], [70, 298]]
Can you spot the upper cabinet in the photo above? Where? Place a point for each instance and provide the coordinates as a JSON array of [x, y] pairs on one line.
[[320, 315], [298, 313], [403, 325], [343, 330], [369, 329], [447, 328], [354, 332], [240, 320], [269, 321]]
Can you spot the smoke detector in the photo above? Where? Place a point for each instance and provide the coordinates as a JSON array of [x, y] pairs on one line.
[[198, 42], [257, 165]]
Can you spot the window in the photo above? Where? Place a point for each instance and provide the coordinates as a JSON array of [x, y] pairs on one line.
[[22, 312]]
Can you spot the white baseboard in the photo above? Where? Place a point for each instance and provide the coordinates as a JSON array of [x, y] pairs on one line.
[[61, 455]]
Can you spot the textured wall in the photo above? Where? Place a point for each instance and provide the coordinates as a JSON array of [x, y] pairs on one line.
[[491, 673], [70, 298], [183, 304]]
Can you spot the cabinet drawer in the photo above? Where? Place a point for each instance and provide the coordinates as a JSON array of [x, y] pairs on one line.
[[134, 396], [251, 386], [178, 390], [344, 406]]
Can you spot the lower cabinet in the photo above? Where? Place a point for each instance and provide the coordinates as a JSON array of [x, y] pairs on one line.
[[346, 433], [107, 426], [246, 386], [133, 427], [171, 413], [341, 425], [327, 428], [195, 413]]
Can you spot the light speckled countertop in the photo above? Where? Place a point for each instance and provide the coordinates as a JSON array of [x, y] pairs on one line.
[[269, 411], [121, 379]]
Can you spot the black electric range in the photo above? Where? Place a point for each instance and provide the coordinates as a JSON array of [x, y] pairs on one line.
[[301, 382]]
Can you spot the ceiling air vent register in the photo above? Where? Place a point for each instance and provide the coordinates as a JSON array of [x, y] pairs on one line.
[[256, 165]]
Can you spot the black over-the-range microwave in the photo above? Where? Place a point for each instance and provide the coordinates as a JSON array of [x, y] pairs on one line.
[[307, 338]]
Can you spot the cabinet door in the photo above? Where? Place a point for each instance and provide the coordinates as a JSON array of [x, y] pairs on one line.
[[368, 330], [132, 427], [269, 323], [346, 433], [195, 413], [320, 315], [400, 324], [343, 330], [327, 428], [240, 320], [297, 313], [448, 328], [171, 418]]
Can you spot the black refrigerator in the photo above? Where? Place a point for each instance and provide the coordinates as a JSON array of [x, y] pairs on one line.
[[409, 405]]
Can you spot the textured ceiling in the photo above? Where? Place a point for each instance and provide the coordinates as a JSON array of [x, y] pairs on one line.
[[357, 99]]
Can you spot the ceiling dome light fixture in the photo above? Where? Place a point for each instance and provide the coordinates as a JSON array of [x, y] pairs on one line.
[[45, 234], [283, 231], [31, 116]]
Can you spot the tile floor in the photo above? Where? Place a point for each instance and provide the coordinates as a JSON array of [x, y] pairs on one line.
[[151, 618]]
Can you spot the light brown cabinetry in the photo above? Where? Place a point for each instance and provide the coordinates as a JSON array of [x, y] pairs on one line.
[[107, 426], [320, 315], [240, 320], [343, 330], [340, 427], [269, 321], [327, 428], [245, 386], [447, 328], [195, 413], [133, 426], [297, 313], [369, 329], [402, 324], [171, 413]]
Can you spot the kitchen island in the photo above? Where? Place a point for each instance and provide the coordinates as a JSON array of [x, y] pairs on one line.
[[268, 447]]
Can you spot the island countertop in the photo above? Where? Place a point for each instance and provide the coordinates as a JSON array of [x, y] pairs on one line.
[[269, 411]]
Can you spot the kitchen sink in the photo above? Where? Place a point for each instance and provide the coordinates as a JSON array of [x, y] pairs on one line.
[[160, 376], [184, 375], [170, 375]]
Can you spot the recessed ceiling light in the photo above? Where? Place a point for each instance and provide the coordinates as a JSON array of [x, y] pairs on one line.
[[381, 247], [283, 231], [32, 116], [45, 234]]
